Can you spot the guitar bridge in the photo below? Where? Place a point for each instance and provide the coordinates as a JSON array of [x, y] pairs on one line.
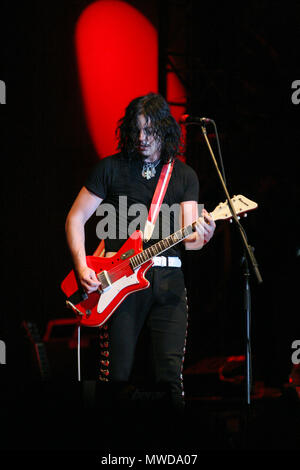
[[104, 278]]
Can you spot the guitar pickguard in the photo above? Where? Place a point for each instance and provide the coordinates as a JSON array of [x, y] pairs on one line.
[[107, 297]]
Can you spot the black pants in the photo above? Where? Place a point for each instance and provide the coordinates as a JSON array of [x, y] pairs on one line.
[[162, 310]]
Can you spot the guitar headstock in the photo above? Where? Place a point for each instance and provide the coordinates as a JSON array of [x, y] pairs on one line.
[[241, 204]]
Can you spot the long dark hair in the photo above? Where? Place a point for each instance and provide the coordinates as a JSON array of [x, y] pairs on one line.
[[163, 125]]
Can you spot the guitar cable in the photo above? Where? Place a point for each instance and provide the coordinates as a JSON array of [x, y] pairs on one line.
[[78, 353]]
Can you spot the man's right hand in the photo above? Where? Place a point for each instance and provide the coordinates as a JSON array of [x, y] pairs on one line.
[[88, 279], [83, 207]]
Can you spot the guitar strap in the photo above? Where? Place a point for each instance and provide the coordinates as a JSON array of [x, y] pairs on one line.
[[158, 198]]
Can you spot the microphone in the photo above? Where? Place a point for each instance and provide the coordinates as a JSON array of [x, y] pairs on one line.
[[187, 119]]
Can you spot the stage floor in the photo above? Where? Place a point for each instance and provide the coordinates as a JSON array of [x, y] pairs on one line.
[[84, 418]]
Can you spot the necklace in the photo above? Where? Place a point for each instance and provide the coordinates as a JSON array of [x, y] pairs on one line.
[[149, 169]]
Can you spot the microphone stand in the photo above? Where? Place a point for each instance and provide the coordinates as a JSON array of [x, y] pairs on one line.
[[248, 255]]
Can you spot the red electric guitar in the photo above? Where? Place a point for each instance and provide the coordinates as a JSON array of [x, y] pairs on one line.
[[124, 273]]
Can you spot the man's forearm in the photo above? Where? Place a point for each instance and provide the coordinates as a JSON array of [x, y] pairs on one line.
[[76, 241]]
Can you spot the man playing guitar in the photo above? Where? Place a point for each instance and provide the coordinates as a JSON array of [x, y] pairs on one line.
[[149, 138]]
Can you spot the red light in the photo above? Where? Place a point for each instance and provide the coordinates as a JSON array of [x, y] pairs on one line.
[[117, 57], [235, 358]]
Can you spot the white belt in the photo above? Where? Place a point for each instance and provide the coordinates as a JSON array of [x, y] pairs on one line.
[[169, 261]]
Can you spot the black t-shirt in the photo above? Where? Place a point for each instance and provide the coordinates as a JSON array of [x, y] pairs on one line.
[[127, 197]]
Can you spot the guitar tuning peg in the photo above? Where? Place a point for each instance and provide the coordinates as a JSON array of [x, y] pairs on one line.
[[238, 217], [245, 215], [230, 220]]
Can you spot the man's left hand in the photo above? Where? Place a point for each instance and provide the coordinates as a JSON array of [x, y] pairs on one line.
[[205, 226]]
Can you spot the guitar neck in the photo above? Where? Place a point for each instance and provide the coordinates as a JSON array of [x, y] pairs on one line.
[[241, 204], [162, 246]]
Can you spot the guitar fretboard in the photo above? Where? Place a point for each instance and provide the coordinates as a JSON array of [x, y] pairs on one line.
[[161, 246]]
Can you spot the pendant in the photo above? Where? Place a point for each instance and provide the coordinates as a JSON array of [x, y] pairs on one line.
[[149, 170]]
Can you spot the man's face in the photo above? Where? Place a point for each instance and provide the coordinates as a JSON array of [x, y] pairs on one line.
[[148, 145]]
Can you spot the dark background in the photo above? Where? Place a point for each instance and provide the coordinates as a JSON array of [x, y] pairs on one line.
[[238, 62]]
